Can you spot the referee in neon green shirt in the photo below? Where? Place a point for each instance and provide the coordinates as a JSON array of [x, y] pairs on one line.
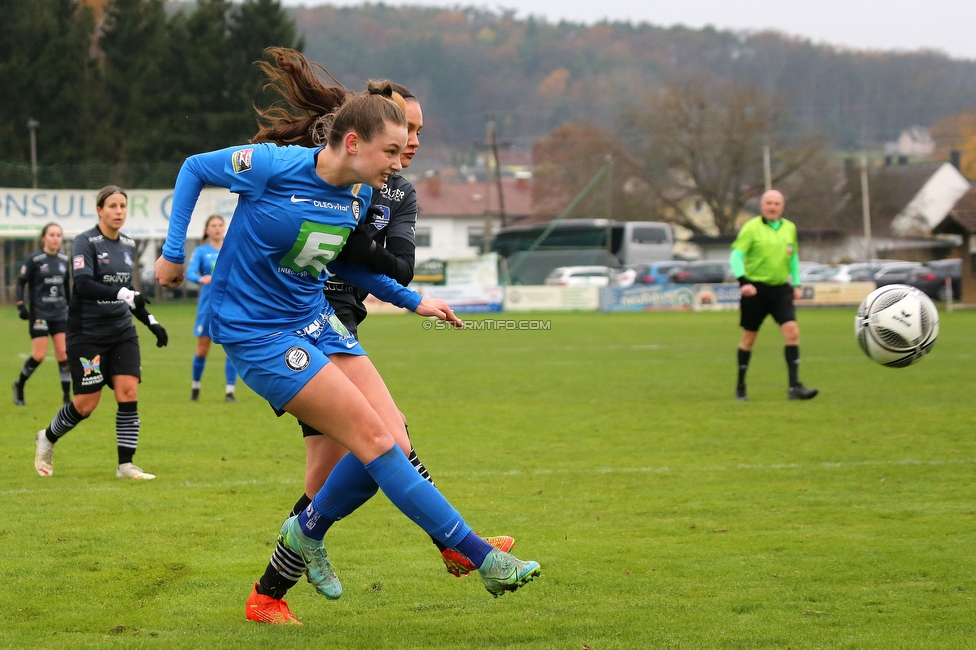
[[766, 260]]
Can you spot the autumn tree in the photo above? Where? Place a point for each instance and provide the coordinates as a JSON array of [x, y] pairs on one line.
[[572, 156], [957, 133], [701, 142]]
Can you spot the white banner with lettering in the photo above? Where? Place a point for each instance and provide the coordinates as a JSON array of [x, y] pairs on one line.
[[23, 212]]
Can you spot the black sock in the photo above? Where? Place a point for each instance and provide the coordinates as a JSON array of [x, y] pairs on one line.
[[127, 430], [66, 420], [792, 354], [29, 367], [285, 568], [64, 370], [744, 356], [300, 505]]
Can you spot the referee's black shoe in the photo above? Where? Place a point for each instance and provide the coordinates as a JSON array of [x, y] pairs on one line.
[[18, 390], [802, 392], [740, 393]]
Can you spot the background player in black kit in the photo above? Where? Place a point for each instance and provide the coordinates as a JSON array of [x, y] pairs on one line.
[[45, 272], [102, 343]]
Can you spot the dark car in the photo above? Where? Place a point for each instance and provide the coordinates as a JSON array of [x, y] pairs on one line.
[[709, 271], [896, 273], [931, 278], [647, 273]]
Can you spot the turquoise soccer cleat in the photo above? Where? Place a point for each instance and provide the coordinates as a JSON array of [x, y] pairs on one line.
[[318, 568], [503, 572]]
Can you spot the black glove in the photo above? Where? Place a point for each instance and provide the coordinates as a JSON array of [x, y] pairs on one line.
[[359, 247], [162, 338], [22, 311], [141, 301], [371, 215]]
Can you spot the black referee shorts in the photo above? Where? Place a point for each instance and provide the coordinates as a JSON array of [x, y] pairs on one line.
[[775, 300], [94, 362]]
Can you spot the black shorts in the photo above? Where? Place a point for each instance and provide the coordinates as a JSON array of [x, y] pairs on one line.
[[775, 300], [94, 363], [40, 328]]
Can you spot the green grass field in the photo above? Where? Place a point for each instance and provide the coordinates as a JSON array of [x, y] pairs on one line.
[[664, 513]]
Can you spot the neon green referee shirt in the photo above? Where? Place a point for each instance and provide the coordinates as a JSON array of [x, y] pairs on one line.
[[771, 253]]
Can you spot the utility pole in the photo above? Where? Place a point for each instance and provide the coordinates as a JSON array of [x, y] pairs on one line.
[[32, 124], [866, 206], [491, 157], [767, 168], [609, 167], [493, 141]]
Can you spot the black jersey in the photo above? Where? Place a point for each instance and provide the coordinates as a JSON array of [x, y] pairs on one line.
[[393, 228], [100, 267], [46, 275]]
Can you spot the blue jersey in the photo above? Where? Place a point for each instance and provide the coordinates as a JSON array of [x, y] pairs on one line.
[[202, 263], [289, 224]]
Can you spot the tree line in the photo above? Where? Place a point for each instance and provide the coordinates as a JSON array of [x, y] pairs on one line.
[[536, 75], [132, 81]]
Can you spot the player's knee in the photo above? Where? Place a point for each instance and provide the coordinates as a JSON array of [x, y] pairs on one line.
[[85, 405]]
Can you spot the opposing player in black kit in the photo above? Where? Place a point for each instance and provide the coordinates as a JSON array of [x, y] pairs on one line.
[[45, 273], [102, 343]]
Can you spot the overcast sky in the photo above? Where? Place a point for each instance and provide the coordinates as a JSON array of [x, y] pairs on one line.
[[945, 25]]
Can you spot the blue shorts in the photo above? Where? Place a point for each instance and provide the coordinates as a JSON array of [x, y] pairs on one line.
[[202, 326], [277, 365]]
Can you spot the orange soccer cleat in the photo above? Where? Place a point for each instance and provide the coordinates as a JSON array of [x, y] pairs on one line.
[[458, 565], [265, 609]]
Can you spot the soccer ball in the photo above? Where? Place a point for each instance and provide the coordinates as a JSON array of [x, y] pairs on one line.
[[896, 325]]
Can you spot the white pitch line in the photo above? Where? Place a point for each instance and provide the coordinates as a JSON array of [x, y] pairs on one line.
[[543, 472]]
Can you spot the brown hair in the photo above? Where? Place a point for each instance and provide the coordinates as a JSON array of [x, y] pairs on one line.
[[402, 90], [205, 237], [314, 113], [367, 113], [49, 225], [108, 191]]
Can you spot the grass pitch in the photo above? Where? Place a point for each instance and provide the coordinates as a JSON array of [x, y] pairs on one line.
[[664, 513]]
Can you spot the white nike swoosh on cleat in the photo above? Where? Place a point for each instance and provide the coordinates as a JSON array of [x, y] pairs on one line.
[[297, 200]]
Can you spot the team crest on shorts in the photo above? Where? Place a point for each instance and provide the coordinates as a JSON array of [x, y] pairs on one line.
[[297, 358]]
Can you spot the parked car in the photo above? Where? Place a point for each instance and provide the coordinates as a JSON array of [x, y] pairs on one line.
[[701, 272], [816, 273], [895, 273], [861, 271], [653, 273], [931, 276], [580, 276]]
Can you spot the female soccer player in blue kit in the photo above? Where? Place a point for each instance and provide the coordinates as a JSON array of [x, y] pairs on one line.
[[200, 270], [386, 245], [296, 208]]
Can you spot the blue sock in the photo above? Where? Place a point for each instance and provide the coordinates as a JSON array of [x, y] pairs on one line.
[[416, 498], [198, 364], [474, 548], [229, 373], [349, 486]]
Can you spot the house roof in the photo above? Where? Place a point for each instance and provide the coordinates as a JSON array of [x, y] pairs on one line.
[[891, 188], [961, 220], [440, 198]]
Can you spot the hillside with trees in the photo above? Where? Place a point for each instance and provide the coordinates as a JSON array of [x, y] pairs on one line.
[[536, 76], [145, 82]]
